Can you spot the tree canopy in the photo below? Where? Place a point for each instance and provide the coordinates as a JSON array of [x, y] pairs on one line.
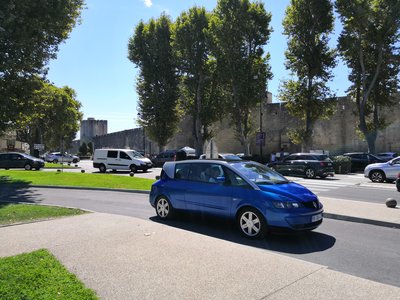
[[202, 94], [369, 46], [239, 31], [54, 116], [157, 85], [30, 33], [308, 24]]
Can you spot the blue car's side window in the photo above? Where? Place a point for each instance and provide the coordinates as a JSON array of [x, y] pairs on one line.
[[182, 171]]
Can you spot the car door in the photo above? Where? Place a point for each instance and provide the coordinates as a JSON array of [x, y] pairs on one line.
[[393, 170], [124, 160], [112, 161], [4, 160], [207, 196], [286, 166], [16, 161]]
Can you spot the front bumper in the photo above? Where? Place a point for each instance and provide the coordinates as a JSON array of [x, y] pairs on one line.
[[292, 221]]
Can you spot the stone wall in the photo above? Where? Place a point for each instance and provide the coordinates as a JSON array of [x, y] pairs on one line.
[[337, 135]]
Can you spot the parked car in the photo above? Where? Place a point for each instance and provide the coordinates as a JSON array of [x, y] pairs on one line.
[[387, 155], [398, 182], [308, 165], [386, 171], [13, 160], [258, 198], [120, 159], [56, 157], [359, 160], [164, 156], [224, 156]]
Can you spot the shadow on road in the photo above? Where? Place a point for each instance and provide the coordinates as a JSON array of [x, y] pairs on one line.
[[293, 243], [17, 192]]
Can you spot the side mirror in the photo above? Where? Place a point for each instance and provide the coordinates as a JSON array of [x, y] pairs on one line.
[[158, 177]]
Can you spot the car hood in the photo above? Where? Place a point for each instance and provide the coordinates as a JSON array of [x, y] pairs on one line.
[[144, 159], [290, 190], [378, 165]]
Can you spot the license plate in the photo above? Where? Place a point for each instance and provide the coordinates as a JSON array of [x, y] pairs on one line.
[[316, 218]]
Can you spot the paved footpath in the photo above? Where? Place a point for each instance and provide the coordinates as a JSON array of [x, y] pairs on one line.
[[128, 258]]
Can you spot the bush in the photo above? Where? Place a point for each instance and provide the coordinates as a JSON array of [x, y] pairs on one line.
[[341, 164]]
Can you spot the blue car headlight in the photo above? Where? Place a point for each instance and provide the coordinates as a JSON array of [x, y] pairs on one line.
[[286, 204]]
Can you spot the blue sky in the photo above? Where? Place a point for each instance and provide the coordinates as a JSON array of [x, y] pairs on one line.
[[94, 62]]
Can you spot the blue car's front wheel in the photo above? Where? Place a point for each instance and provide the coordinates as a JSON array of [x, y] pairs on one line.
[[251, 223], [164, 208]]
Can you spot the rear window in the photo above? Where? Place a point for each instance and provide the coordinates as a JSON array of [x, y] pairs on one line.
[[322, 157]]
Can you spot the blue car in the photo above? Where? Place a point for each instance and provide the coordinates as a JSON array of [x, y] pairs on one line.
[[256, 197]]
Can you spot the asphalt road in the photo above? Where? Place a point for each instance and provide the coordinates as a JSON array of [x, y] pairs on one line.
[[349, 187], [366, 251]]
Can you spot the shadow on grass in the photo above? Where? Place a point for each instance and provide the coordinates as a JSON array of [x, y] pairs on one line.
[[292, 243], [16, 191]]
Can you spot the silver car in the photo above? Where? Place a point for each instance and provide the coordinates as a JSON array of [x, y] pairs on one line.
[[56, 157], [380, 172]]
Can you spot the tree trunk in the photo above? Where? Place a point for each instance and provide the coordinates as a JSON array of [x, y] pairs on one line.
[[197, 122]]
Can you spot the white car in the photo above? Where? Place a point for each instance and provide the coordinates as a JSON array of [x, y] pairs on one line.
[[56, 157], [120, 159], [380, 172]]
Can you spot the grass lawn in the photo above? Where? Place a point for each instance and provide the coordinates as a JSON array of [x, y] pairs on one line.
[[75, 179], [39, 275], [49, 165], [14, 213]]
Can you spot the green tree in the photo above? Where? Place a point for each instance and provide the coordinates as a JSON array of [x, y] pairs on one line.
[[239, 30], [30, 33], [151, 50], [201, 93], [90, 148], [54, 117], [308, 24], [83, 149], [369, 46]]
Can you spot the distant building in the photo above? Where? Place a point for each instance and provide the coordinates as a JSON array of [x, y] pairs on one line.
[[91, 128]]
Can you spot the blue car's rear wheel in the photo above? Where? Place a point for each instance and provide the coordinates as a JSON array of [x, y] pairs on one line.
[[164, 208], [251, 223]]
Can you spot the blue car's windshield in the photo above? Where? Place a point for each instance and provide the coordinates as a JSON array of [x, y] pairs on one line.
[[259, 173]]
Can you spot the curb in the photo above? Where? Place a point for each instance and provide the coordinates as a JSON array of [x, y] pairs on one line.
[[361, 220], [84, 188]]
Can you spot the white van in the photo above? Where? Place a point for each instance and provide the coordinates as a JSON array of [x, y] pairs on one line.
[[120, 159]]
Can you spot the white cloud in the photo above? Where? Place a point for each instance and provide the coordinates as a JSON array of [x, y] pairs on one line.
[[148, 3]]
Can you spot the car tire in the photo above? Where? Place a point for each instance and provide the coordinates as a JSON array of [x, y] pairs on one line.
[[102, 168], [144, 170], [75, 161], [37, 168], [55, 161], [309, 173], [164, 209], [133, 169], [251, 223], [28, 167], [377, 176]]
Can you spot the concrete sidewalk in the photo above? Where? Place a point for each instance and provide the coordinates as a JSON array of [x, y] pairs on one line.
[[129, 258]]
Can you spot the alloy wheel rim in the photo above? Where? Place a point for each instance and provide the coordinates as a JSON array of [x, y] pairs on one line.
[[250, 223], [162, 208], [310, 173], [377, 176]]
